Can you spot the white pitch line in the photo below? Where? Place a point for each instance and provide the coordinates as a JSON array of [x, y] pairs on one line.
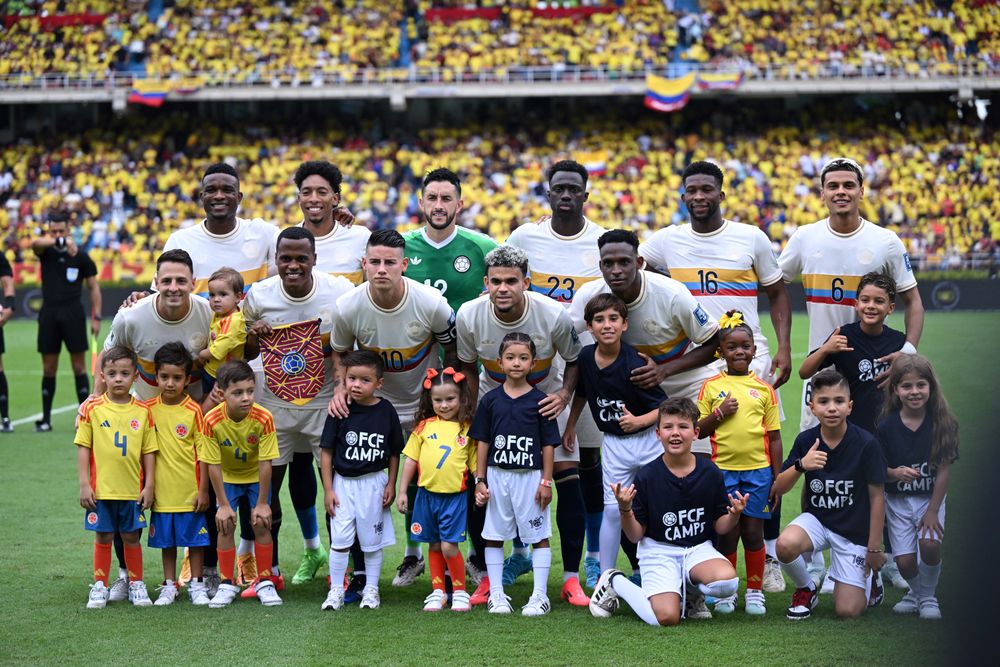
[[38, 415]]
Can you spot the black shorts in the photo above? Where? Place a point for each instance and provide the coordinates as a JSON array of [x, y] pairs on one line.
[[3, 346], [61, 324]]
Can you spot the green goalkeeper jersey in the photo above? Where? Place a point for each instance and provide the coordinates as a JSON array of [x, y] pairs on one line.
[[456, 268]]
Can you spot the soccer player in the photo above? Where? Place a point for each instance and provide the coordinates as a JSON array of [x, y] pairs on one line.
[[562, 252], [116, 462], [6, 312], [239, 447], [510, 307], [404, 322], [442, 253], [65, 270], [725, 265], [282, 313], [178, 517], [339, 244]]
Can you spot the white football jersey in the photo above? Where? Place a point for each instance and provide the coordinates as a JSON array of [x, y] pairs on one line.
[[339, 252], [142, 330], [268, 301], [480, 333], [723, 269], [249, 249], [831, 266], [406, 337], [559, 265]]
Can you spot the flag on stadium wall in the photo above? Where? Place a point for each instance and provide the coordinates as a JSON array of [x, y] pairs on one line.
[[716, 81], [149, 93], [668, 94], [293, 361]]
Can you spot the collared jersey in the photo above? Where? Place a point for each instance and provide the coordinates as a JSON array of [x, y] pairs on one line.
[[339, 253], [741, 441], [142, 330], [180, 437], [228, 337], [559, 265], [514, 429], [679, 511], [270, 302], [405, 337], [831, 266], [610, 391], [455, 267], [723, 269], [444, 452], [239, 446], [117, 435], [480, 333], [365, 440]]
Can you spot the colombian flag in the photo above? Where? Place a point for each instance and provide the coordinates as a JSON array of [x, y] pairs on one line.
[[293, 361], [715, 81], [668, 94], [596, 162], [149, 93]]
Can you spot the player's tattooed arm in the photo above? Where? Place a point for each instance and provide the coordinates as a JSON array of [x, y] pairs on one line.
[[338, 406], [451, 354]]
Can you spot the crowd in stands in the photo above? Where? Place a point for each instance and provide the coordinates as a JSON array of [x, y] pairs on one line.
[[305, 42], [130, 183]]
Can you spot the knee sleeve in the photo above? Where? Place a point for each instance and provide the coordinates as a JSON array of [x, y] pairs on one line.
[[721, 589], [592, 485], [302, 481]]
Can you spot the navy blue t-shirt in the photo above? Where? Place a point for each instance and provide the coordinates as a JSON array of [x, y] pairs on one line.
[[610, 390], [861, 367], [679, 511], [903, 447], [363, 442], [837, 495], [515, 429]]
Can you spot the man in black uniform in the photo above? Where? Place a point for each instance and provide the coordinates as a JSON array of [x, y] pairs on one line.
[[65, 268], [6, 312]]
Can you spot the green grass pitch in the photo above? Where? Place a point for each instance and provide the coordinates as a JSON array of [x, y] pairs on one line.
[[45, 566]]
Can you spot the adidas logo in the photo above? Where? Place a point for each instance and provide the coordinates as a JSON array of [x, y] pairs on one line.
[[203, 531], [415, 260], [226, 443], [105, 424], [432, 436]]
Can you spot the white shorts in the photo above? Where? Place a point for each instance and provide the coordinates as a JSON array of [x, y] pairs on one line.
[[847, 559], [666, 568], [512, 511], [298, 431], [361, 513], [902, 515], [624, 455], [688, 390]]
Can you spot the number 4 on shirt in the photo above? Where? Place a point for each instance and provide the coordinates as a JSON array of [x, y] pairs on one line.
[[121, 442]]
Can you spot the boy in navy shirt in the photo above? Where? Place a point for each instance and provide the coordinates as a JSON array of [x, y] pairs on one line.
[[844, 503], [624, 412], [674, 510], [356, 451]]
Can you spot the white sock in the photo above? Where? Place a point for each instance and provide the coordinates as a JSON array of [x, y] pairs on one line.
[[611, 536], [494, 568], [797, 572], [373, 567], [521, 551], [168, 582], [245, 547], [596, 555], [123, 573], [635, 598], [817, 558], [770, 548], [411, 551], [928, 579], [541, 561], [721, 589], [338, 567], [311, 542]]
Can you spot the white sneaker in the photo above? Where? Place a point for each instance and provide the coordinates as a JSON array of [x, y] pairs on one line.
[[408, 571], [816, 573], [224, 596], [370, 598], [436, 601], [910, 604], [499, 603], [266, 593], [460, 601], [334, 599], [538, 605], [474, 574], [212, 582], [694, 605], [930, 610], [119, 590], [198, 593], [891, 571], [98, 598], [725, 605], [138, 595], [828, 584], [604, 599], [774, 580], [754, 604], [168, 593]]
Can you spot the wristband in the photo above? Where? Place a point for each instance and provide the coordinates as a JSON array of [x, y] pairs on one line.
[[8, 302], [627, 510], [798, 466], [547, 483], [481, 480], [874, 551], [908, 348], [96, 318]]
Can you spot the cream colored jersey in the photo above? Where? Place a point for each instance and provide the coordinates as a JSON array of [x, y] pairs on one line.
[[831, 266], [406, 337], [268, 301], [339, 253], [723, 270], [559, 265], [480, 332], [249, 249], [142, 330], [663, 322]]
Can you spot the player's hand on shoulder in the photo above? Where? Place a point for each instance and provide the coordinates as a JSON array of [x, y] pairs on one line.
[[342, 216], [339, 404], [132, 299], [647, 376], [552, 405]]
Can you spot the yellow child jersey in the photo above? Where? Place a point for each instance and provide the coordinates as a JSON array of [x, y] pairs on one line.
[[228, 336], [179, 430], [239, 446], [117, 435], [443, 452], [741, 441]]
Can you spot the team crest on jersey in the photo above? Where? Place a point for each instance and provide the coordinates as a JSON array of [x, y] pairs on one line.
[[461, 441], [181, 430], [650, 326], [252, 439], [701, 315], [669, 519], [816, 486], [754, 393], [134, 424], [152, 531], [462, 264], [589, 258], [91, 518], [864, 366], [351, 438], [415, 329], [416, 528], [500, 442], [199, 341]]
